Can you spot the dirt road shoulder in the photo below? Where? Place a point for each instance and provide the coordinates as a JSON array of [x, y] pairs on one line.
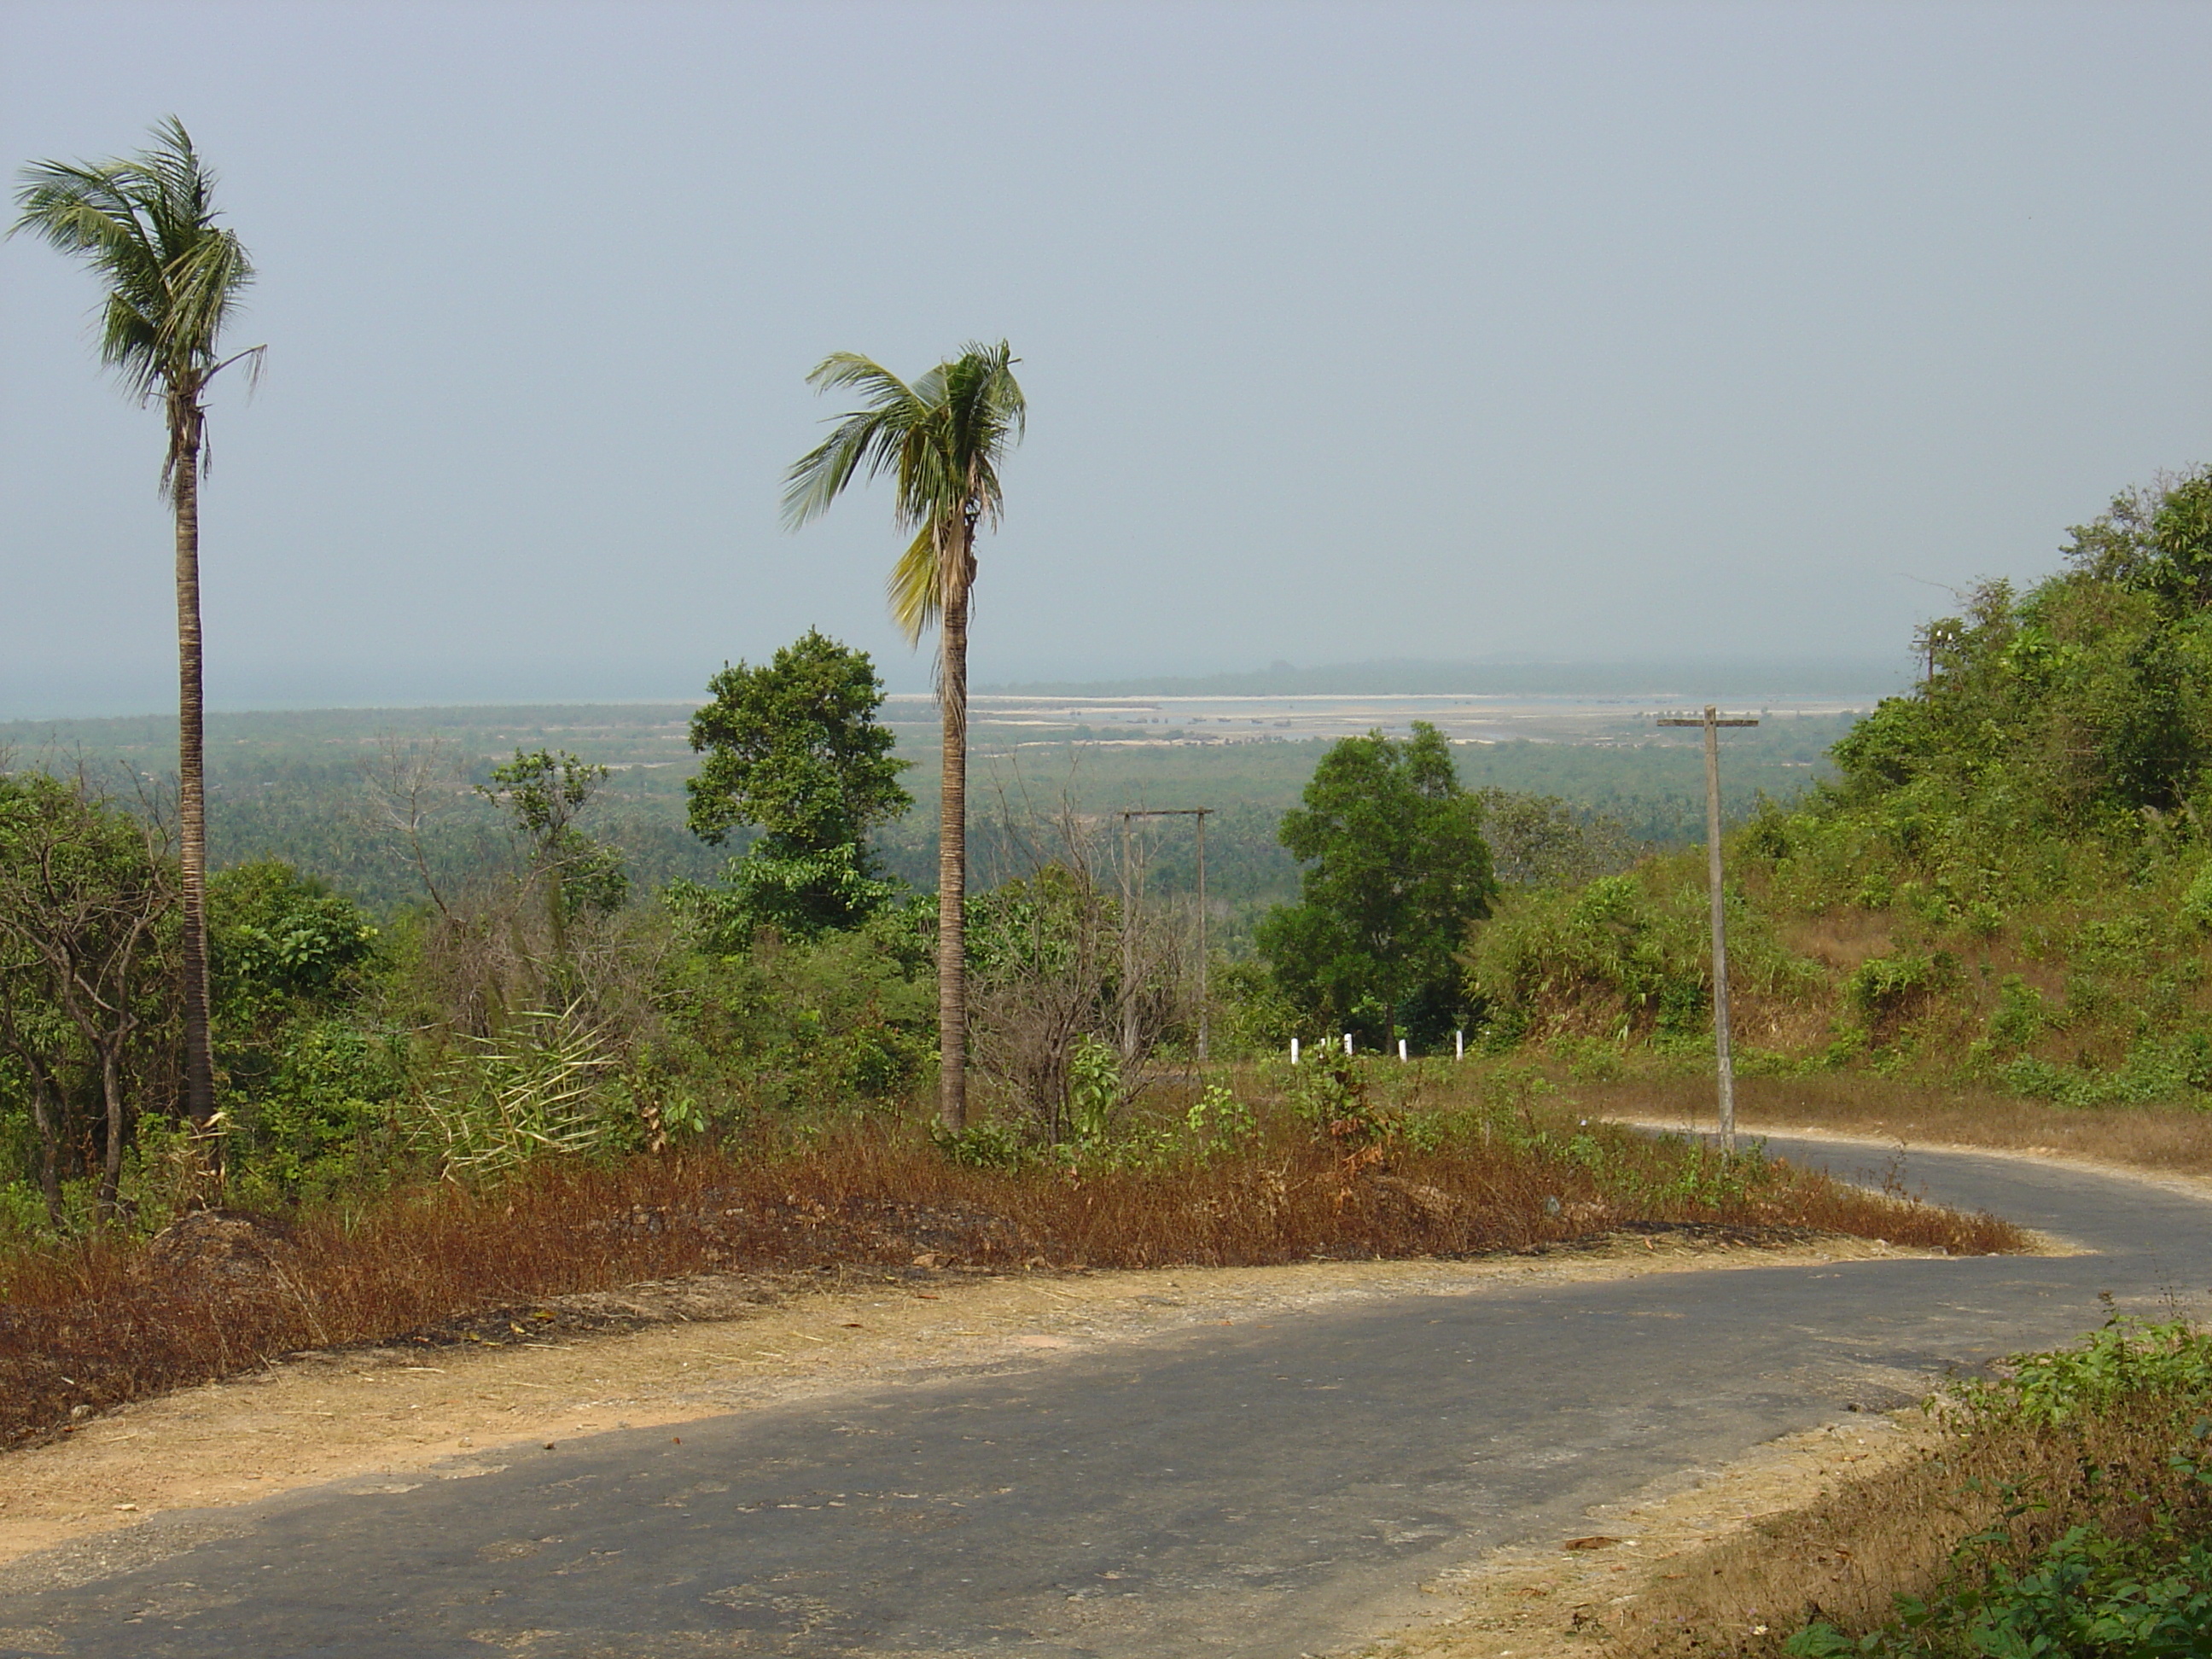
[[1558, 1599]]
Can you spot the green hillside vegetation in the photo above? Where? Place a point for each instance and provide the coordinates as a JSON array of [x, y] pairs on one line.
[[2007, 882]]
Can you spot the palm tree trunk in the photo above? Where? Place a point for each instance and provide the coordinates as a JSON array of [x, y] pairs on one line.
[[953, 868], [191, 773]]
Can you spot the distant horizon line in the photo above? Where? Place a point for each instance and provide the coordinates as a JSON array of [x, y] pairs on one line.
[[1715, 677], [1729, 677]]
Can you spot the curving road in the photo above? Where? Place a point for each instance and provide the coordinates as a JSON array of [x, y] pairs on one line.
[[1245, 1491]]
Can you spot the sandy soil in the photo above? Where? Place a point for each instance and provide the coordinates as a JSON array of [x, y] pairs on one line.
[[386, 1418]]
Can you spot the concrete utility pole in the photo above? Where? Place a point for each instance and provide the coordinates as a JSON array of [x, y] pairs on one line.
[[1128, 943], [1128, 914], [1726, 1065]]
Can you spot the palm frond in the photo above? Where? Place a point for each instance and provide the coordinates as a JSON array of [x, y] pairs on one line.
[[917, 597], [842, 368], [204, 283], [869, 438]]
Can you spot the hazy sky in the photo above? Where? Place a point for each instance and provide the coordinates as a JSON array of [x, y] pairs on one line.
[[1349, 331]]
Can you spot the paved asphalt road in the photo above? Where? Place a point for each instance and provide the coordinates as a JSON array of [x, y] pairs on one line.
[[1241, 1492]]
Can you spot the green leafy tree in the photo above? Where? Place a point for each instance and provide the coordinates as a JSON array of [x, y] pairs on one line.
[[277, 939], [308, 1083], [942, 439], [2155, 539], [801, 896], [84, 886], [1394, 870], [545, 793], [146, 226], [793, 747], [2086, 701]]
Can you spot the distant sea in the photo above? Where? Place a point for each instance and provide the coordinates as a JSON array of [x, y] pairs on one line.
[[1759, 680]]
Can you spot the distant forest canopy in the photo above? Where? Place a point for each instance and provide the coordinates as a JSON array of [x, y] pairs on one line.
[[1736, 679], [311, 787]]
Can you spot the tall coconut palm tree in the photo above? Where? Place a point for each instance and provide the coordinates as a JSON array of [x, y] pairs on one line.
[[146, 226], [942, 439]]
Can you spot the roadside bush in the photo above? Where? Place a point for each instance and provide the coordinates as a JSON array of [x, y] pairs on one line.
[[1328, 1094], [1607, 956], [2195, 909], [2063, 1508], [795, 1025], [1218, 1123], [322, 1116], [2177, 1068], [1254, 1016], [1884, 991], [2020, 1013], [308, 1083], [1624, 957], [798, 895], [87, 982], [277, 939]]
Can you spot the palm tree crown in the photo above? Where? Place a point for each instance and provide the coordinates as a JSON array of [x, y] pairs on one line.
[[942, 439], [146, 226]]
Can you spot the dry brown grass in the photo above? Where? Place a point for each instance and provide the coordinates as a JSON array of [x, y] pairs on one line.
[[1840, 939], [2171, 1139], [1843, 1559], [99, 1323]]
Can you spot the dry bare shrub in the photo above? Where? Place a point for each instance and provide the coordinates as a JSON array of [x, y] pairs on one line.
[[1841, 938], [1062, 958], [492, 951]]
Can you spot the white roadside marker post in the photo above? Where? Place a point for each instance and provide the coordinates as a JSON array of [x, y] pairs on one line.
[[1459, 1045], [1401, 1051], [1348, 1042], [1724, 1064], [1294, 1051]]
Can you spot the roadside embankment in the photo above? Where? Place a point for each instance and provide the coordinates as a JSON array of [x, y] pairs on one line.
[[87, 1326], [462, 1401]]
